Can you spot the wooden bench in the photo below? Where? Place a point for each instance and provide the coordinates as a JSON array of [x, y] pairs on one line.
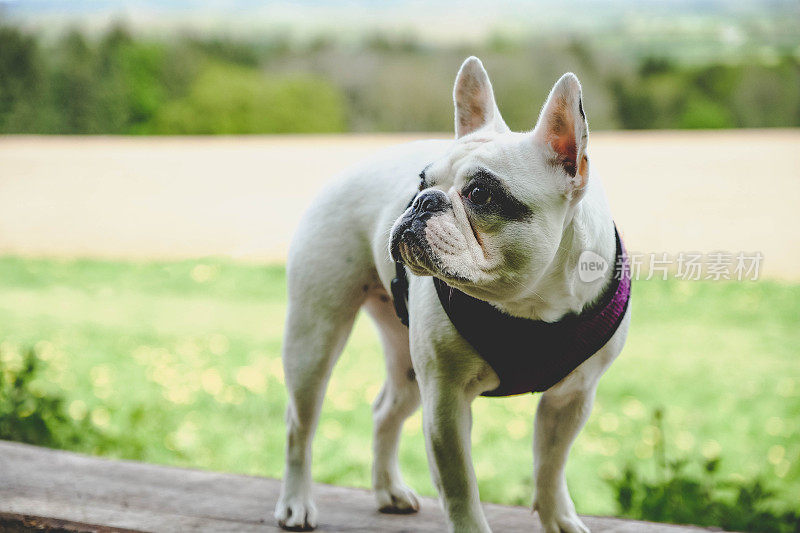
[[52, 490]]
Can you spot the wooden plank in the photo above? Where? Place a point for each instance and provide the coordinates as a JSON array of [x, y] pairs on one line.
[[73, 492], [21, 523]]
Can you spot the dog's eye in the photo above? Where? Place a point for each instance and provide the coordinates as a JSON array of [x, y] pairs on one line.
[[479, 195]]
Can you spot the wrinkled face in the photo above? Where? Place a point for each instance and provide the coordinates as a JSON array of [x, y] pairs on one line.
[[490, 214], [488, 217]]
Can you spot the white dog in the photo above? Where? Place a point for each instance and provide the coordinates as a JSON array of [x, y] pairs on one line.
[[500, 220]]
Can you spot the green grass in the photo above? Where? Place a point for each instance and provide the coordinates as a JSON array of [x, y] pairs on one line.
[[179, 363]]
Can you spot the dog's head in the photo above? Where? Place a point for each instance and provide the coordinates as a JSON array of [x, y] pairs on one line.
[[490, 214]]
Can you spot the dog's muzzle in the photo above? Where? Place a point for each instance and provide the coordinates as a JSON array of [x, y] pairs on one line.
[[408, 243]]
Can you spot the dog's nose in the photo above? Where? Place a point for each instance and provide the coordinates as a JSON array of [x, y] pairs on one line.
[[430, 202]]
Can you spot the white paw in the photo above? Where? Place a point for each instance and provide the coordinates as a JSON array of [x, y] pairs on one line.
[[565, 524], [397, 499], [560, 520], [296, 514]]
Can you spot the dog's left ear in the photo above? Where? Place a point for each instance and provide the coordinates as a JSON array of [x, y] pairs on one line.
[[474, 100], [562, 126]]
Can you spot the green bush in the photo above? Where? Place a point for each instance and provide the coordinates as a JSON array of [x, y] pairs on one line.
[[229, 99], [34, 410], [703, 113], [29, 411], [690, 492]]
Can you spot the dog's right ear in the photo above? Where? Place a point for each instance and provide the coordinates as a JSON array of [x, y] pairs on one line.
[[474, 99], [563, 128]]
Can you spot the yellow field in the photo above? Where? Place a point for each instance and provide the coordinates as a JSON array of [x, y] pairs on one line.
[[176, 197]]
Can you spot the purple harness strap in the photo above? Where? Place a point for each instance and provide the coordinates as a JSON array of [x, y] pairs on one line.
[[532, 355]]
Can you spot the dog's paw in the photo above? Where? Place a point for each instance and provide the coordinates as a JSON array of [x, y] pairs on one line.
[[565, 524], [397, 499], [564, 520], [296, 514]]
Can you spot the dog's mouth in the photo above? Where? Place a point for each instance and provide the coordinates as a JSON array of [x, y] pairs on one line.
[[410, 245], [413, 251]]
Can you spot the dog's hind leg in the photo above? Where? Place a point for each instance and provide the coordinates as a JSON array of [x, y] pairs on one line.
[[320, 317], [398, 399]]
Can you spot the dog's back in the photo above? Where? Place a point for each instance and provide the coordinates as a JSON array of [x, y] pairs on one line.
[[345, 231]]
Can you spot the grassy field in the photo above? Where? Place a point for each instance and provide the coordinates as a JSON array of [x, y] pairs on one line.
[[178, 363]]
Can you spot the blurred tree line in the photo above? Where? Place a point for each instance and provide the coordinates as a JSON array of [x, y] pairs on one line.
[[117, 83]]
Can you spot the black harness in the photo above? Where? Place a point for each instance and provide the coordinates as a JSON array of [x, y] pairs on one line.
[[399, 288], [529, 355]]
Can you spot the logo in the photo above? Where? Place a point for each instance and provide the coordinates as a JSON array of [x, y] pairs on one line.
[[591, 266]]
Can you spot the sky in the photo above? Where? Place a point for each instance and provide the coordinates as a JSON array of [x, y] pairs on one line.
[[435, 21]]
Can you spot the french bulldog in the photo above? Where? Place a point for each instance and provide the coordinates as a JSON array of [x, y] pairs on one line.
[[502, 217]]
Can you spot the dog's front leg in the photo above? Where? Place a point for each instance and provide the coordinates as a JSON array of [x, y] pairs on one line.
[[450, 375], [447, 421], [562, 412], [559, 418]]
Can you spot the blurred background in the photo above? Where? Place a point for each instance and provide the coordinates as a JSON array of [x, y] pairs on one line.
[[155, 158], [186, 67]]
